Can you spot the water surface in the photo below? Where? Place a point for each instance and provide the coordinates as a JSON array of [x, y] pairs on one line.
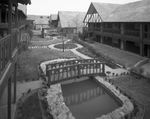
[[88, 99]]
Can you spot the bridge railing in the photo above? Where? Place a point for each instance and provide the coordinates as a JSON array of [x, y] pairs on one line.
[[60, 74], [70, 62]]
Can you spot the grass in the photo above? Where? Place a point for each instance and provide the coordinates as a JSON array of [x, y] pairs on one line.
[[85, 51], [46, 43], [89, 53], [30, 108], [137, 89], [126, 58], [65, 46], [29, 61]]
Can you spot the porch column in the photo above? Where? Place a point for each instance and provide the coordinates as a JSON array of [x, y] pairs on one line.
[[9, 99], [141, 38], [122, 28], [15, 87], [122, 44], [16, 16], [101, 39], [125, 48], [148, 51], [0, 16], [9, 81]]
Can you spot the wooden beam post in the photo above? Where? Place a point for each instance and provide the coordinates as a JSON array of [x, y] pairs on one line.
[[9, 99], [15, 86], [16, 16]]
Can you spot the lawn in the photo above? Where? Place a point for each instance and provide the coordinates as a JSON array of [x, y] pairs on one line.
[[29, 61], [89, 53], [45, 42], [65, 46], [126, 58], [137, 89], [30, 108]]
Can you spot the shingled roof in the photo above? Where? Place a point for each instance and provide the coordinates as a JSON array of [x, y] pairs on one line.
[[53, 17], [104, 9], [71, 18], [130, 12], [39, 19]]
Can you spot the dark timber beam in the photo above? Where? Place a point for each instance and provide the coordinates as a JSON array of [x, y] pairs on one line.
[[9, 99], [15, 86]]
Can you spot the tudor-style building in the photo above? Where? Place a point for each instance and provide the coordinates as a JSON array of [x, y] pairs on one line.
[[53, 21], [70, 22], [125, 26], [12, 21]]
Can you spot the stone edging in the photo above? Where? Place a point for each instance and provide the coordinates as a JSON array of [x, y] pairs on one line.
[[56, 104], [59, 109], [52, 46], [121, 112]]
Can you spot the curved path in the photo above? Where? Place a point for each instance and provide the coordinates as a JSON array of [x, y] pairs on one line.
[[117, 71]]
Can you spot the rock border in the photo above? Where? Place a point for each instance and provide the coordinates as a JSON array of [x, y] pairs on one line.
[[56, 105]]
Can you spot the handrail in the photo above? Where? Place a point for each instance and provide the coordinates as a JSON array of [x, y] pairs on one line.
[[71, 62], [4, 38], [7, 46], [66, 72]]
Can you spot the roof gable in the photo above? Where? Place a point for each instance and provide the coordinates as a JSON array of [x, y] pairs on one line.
[[53, 17], [104, 9], [70, 18]]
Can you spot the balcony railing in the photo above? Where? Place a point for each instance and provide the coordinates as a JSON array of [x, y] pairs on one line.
[[7, 47], [132, 33], [118, 31], [108, 30], [146, 35], [97, 29]]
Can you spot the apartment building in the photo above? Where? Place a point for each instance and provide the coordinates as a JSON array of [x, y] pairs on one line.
[[125, 26], [12, 21]]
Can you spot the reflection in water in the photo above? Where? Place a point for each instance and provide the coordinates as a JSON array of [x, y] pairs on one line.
[[88, 99], [84, 95]]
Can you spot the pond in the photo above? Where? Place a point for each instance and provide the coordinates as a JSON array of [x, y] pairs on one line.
[[88, 99]]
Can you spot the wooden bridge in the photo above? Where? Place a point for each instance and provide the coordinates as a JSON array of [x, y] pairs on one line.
[[62, 71]]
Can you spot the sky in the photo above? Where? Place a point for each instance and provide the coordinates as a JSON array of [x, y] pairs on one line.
[[47, 7]]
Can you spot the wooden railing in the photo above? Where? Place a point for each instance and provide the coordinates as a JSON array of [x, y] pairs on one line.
[[108, 30], [7, 47], [132, 33], [118, 31], [63, 71], [146, 35]]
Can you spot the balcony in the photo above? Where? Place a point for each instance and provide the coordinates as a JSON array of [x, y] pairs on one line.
[[8, 44], [116, 31], [146, 35], [132, 33], [108, 30], [97, 29]]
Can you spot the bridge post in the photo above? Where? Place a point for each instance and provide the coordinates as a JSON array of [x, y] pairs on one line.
[[48, 77], [103, 68]]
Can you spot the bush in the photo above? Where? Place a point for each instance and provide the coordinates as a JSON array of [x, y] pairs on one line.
[[83, 36], [22, 46]]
